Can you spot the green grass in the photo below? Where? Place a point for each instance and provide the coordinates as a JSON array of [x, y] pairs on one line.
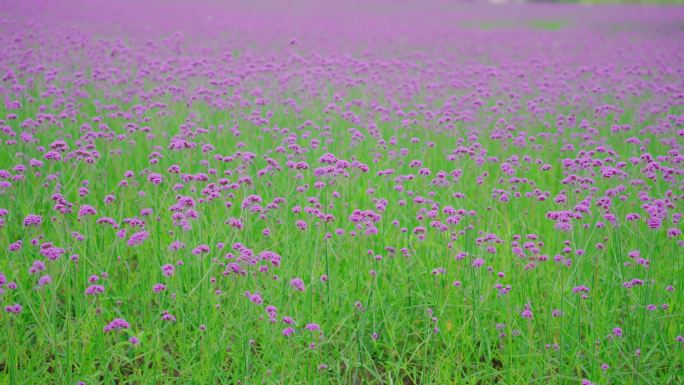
[[59, 339], [549, 25], [220, 337], [541, 24]]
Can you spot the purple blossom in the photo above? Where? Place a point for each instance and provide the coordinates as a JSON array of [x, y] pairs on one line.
[[297, 284], [33, 220], [137, 238], [13, 309], [95, 290], [117, 324]]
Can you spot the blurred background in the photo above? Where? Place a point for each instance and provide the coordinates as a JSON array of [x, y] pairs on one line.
[[679, 2]]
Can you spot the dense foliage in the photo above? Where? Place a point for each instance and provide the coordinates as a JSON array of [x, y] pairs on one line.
[[382, 194]]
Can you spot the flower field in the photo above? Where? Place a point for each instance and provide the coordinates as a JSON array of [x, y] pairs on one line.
[[352, 193]]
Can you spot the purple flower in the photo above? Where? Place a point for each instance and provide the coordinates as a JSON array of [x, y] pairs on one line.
[[86, 210], [44, 280], [138, 238], [15, 246], [154, 178], [166, 316], [256, 298], [94, 290], [13, 309], [301, 225], [527, 313], [297, 284], [158, 287], [312, 327], [168, 270], [33, 220], [116, 324]]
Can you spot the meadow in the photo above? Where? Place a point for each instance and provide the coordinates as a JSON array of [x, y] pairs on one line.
[[349, 193]]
